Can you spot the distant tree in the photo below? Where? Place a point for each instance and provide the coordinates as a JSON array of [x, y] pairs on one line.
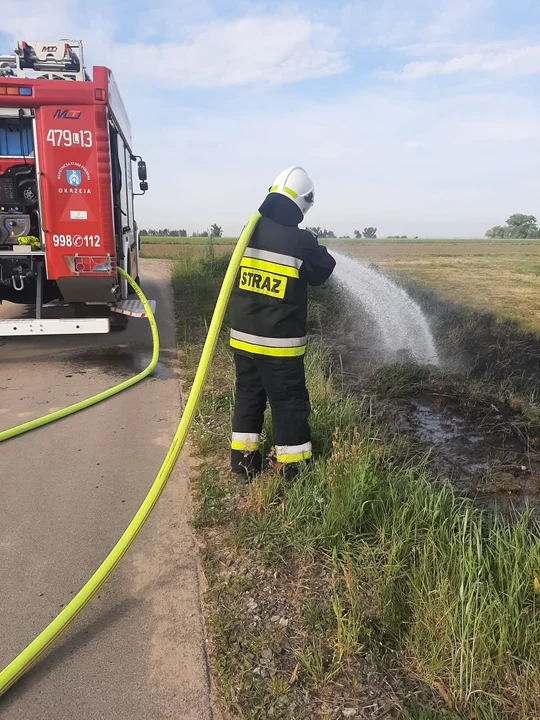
[[522, 226], [324, 233], [517, 226], [370, 232], [317, 230], [216, 231], [143, 232], [497, 231], [183, 233], [357, 234]]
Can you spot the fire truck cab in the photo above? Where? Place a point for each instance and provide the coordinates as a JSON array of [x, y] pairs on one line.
[[66, 192]]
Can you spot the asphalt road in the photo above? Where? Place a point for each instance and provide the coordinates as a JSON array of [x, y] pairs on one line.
[[67, 492]]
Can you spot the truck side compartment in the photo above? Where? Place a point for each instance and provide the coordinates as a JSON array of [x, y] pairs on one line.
[[66, 188]]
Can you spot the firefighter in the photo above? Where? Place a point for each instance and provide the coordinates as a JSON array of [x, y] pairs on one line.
[[268, 327]]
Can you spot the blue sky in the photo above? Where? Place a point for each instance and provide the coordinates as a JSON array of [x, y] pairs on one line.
[[419, 117]]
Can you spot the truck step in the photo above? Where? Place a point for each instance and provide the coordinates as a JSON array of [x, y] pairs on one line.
[[133, 308], [63, 326]]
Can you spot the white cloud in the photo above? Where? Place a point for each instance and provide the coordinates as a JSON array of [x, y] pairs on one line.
[[389, 23], [449, 49], [38, 21], [453, 16], [506, 62], [269, 50]]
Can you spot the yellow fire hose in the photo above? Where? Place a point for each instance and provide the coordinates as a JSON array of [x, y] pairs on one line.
[[58, 414], [46, 638]]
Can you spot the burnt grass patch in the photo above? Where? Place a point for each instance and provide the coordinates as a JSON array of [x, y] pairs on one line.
[[477, 413]]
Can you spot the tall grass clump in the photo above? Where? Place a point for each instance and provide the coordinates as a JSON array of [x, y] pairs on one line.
[[454, 589]]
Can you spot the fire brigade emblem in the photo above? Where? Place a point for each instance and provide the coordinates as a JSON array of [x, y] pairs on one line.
[[73, 177]]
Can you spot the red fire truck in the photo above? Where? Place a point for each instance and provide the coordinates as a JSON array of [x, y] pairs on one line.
[[66, 192]]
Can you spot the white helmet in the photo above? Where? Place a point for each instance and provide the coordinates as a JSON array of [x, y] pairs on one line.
[[295, 184]]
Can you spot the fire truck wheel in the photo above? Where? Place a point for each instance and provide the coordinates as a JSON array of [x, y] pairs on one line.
[[118, 322]]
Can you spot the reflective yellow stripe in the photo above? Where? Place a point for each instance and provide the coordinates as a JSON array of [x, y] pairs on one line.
[[273, 257], [285, 189], [244, 446], [290, 192], [267, 342], [294, 458], [272, 351], [271, 267]]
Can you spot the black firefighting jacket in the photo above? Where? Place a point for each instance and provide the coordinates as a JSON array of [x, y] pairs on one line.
[[269, 300]]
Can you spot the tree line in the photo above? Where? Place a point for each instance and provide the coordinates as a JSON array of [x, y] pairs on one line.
[[214, 231], [217, 231], [369, 232], [517, 226]]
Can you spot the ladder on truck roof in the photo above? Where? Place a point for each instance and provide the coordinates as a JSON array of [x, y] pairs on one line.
[[56, 60]]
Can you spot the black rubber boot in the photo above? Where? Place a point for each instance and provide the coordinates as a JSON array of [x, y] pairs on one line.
[[246, 465], [291, 471]]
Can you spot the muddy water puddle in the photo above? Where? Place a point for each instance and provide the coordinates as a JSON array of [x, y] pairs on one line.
[[481, 456], [124, 361]]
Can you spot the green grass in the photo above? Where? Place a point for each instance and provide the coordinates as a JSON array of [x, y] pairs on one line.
[[419, 582], [422, 241], [165, 240], [213, 494], [159, 240]]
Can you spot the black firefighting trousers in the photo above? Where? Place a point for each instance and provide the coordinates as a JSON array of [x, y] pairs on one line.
[[282, 382]]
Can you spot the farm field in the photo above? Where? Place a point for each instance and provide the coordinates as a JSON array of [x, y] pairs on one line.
[[502, 278], [497, 276], [167, 240]]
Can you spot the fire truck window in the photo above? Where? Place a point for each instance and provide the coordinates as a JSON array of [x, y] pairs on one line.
[[122, 188], [117, 182], [16, 138], [119, 171], [129, 185], [124, 204]]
